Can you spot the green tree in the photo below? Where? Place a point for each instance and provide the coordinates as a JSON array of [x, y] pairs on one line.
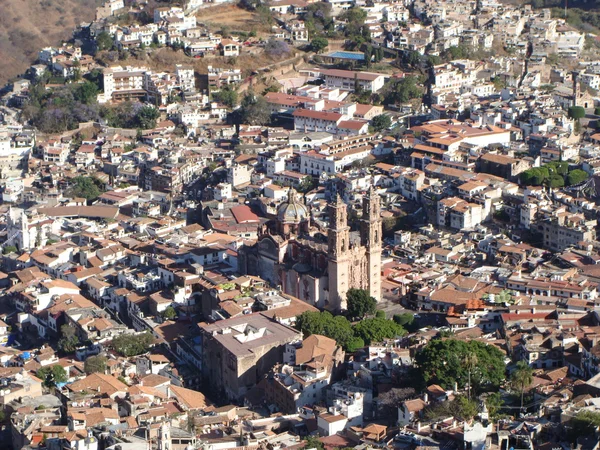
[[404, 320], [318, 44], [585, 423], [433, 60], [85, 187], [226, 96], [442, 362], [521, 378], [8, 249], [534, 177], [559, 167], [52, 375], [461, 408], [132, 345], [576, 112], [576, 176], [494, 404], [354, 343], [307, 185], [499, 83], [146, 117], [95, 364], [86, 92], [402, 90], [255, 110], [381, 122], [360, 303], [169, 313], [504, 297], [470, 361], [556, 181], [377, 330], [464, 408], [324, 323], [458, 52], [412, 59], [69, 341], [104, 41], [313, 442]]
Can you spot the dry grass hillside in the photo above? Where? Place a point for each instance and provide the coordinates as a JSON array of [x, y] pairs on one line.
[[28, 25], [233, 17]]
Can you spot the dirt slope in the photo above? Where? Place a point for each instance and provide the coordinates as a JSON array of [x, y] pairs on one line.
[[26, 26]]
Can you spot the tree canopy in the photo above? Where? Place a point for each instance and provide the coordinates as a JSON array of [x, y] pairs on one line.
[[461, 408], [318, 44], [324, 323], [576, 176], [349, 337], [377, 329], [381, 122], [355, 29], [402, 91], [169, 313], [69, 341], [585, 423], [555, 174], [131, 115], [226, 96], [576, 112], [360, 303], [442, 362], [104, 41], [132, 345], [52, 375], [95, 364], [85, 187], [254, 110], [521, 378]]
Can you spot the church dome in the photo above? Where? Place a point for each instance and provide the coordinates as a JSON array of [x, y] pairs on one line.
[[292, 211]]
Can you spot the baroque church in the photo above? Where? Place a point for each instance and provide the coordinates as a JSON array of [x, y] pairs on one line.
[[319, 268]]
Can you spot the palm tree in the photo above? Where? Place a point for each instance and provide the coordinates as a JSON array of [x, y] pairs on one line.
[[470, 361], [521, 378]]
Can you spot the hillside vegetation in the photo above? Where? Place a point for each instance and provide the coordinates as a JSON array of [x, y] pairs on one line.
[[26, 26]]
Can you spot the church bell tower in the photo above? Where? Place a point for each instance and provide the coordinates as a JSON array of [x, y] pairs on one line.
[[338, 238], [370, 234]]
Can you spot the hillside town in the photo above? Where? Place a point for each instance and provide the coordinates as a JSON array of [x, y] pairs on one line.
[[306, 225]]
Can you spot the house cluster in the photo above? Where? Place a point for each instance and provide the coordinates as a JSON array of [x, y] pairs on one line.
[[154, 280]]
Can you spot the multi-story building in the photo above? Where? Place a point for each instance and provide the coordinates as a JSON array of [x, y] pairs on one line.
[[238, 352], [304, 382], [348, 80], [123, 83], [565, 230], [219, 78], [185, 77]]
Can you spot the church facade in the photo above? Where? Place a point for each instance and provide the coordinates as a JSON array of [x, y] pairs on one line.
[[314, 266]]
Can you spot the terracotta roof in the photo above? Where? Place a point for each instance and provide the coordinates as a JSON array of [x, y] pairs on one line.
[[189, 398], [101, 383]]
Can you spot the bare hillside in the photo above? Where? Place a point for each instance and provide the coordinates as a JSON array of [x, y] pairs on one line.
[[28, 25]]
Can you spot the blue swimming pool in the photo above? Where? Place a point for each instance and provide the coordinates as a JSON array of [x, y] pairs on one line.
[[355, 56]]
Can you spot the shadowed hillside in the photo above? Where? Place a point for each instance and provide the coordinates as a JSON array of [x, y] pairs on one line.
[[26, 26]]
